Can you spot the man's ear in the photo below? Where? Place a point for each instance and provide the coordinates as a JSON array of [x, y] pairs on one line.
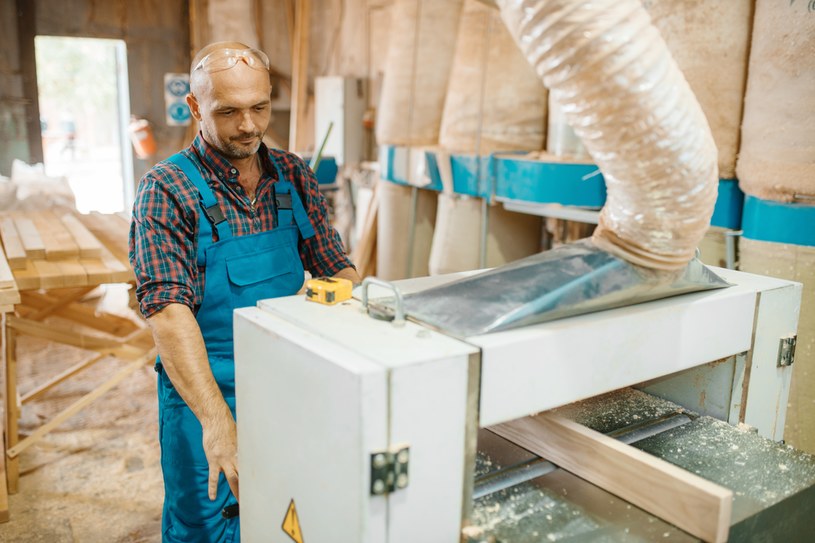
[[194, 107]]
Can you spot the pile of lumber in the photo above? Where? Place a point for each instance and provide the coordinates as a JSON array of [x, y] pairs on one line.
[[50, 250]]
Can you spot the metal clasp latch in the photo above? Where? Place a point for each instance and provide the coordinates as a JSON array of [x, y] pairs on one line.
[[399, 303], [786, 351], [389, 470]]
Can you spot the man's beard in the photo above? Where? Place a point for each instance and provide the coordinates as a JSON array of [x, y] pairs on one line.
[[233, 149]]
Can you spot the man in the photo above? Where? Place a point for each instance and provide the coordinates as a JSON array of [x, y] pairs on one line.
[[220, 225]]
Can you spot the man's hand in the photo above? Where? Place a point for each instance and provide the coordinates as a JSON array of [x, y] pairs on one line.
[[184, 358], [221, 449]]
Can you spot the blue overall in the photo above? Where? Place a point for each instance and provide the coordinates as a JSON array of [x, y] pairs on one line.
[[240, 270]]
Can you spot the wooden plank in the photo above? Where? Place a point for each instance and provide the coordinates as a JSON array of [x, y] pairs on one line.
[[30, 237], [50, 274], [35, 302], [12, 412], [364, 253], [73, 273], [12, 244], [39, 390], [69, 336], [4, 515], [27, 278], [6, 277], [96, 271], [9, 296], [688, 501], [120, 273], [112, 231], [6, 309], [52, 302], [89, 246], [59, 243], [299, 94]]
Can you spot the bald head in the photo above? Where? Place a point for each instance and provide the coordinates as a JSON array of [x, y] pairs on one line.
[[199, 79], [212, 47], [230, 96]]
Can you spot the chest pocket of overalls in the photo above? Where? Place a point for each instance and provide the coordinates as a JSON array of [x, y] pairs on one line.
[[250, 274]]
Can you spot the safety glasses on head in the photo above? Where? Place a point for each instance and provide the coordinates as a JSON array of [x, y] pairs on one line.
[[224, 59]]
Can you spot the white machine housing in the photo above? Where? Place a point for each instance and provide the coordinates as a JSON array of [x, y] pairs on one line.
[[321, 389]]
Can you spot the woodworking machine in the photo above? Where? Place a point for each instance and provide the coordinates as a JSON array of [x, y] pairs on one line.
[[356, 429]]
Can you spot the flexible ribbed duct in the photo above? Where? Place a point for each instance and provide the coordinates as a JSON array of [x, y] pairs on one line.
[[610, 69], [422, 42]]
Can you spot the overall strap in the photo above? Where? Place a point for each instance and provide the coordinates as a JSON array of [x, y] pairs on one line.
[[289, 207], [209, 207]]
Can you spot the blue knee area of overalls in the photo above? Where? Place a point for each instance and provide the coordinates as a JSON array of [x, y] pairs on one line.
[[189, 515]]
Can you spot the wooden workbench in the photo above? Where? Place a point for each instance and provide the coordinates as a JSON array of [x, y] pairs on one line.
[[50, 261]]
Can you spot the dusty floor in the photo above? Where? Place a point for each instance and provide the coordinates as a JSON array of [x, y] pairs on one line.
[[96, 477]]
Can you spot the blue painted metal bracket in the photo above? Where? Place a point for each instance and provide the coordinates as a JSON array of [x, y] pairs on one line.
[[729, 204], [766, 220], [570, 184]]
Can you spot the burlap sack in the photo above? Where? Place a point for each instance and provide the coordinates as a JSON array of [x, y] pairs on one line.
[[777, 154], [422, 41], [495, 100]]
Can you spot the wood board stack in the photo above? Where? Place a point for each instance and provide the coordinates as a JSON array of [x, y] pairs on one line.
[[47, 250]]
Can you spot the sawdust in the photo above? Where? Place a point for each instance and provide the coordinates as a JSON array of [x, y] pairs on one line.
[[97, 476]]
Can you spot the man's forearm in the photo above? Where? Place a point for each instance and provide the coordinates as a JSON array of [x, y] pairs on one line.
[[184, 358], [350, 274]]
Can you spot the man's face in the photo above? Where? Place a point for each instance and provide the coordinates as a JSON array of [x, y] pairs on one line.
[[234, 109]]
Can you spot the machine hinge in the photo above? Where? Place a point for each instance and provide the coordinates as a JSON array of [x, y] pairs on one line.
[[389, 470], [786, 351]]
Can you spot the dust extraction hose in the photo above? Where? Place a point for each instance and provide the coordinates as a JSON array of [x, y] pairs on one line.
[[626, 98]]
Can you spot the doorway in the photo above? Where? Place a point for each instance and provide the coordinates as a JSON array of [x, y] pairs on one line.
[[84, 114]]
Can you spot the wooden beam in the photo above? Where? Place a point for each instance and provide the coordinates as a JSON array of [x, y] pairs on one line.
[[89, 246], [48, 304], [36, 306], [694, 504], [68, 336], [39, 390], [9, 296], [27, 278], [4, 516], [6, 277], [12, 412], [12, 244], [364, 253], [50, 274], [73, 273], [299, 95], [59, 244], [97, 272], [30, 236], [26, 32]]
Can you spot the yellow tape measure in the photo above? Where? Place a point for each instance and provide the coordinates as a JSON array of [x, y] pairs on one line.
[[328, 290]]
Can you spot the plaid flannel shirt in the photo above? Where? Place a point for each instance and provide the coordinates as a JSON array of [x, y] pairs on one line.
[[164, 228]]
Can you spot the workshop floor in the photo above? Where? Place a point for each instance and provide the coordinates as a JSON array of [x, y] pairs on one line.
[[96, 477]]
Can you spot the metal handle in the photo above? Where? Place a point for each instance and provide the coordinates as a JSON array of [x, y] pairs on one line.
[[399, 304]]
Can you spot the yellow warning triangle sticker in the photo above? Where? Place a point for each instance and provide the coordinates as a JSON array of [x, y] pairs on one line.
[[291, 524]]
